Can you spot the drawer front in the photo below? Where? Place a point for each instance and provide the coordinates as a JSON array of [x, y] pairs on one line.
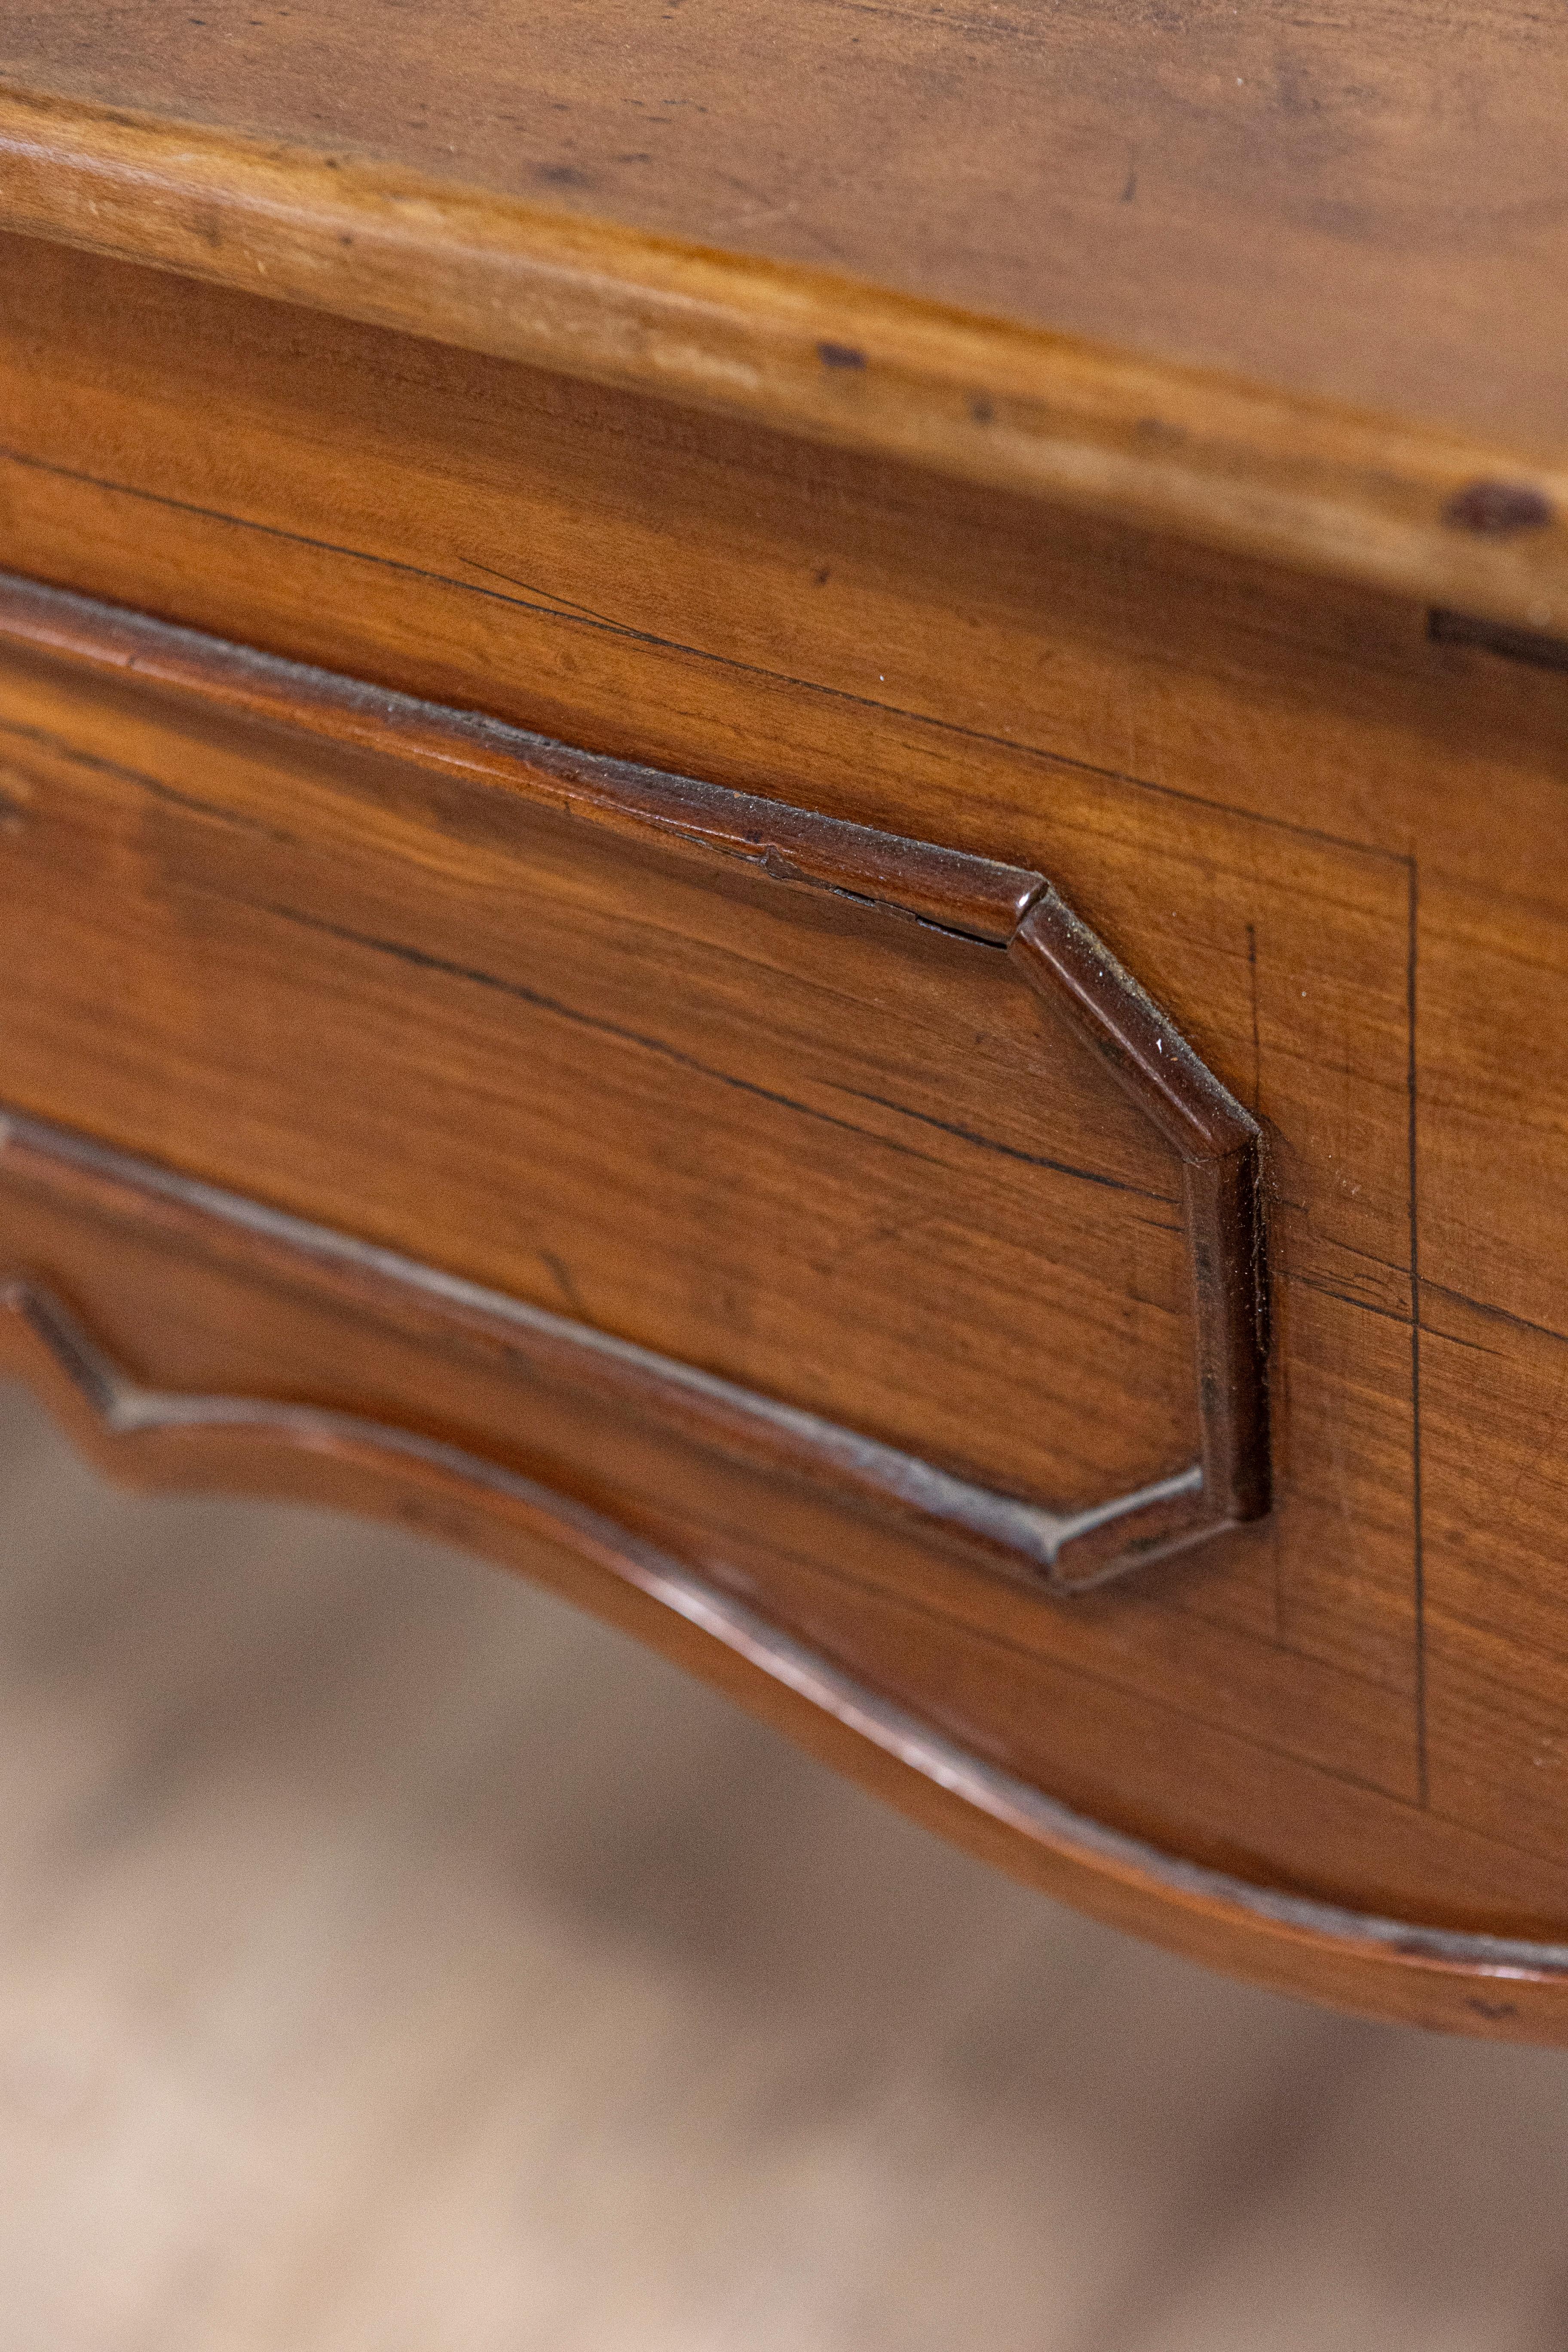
[[816, 1232], [1320, 829], [838, 1149]]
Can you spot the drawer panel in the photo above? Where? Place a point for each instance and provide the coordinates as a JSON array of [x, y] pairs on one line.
[[834, 1121], [766, 1187]]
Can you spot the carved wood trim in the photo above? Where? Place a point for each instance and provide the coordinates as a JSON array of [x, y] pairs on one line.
[[976, 895], [1046, 1550], [1001, 906], [1218, 1145], [1513, 1985]]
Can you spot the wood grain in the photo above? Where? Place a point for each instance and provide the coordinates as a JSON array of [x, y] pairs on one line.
[[765, 1129], [1295, 1652], [1301, 204], [1324, 832], [174, 837], [1075, 973], [370, 540], [251, 1444], [1460, 500]]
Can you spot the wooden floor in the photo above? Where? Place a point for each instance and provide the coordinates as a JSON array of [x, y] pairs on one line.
[[391, 1962]]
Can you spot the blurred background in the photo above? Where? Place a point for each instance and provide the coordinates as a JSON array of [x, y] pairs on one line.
[[393, 1961]]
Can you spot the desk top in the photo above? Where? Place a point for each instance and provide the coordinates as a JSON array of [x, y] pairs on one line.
[[1062, 244]]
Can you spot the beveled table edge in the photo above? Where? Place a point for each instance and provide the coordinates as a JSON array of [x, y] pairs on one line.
[[1391, 504]]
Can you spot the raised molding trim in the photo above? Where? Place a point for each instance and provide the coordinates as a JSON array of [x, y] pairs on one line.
[[1017, 1537], [1006, 909]]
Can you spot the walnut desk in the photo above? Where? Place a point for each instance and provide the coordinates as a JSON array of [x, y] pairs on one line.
[[781, 828]]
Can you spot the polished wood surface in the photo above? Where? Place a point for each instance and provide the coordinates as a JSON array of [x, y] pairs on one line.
[[164, 946], [769, 1098], [168, 767], [1429, 492], [1255, 192], [1293, 756]]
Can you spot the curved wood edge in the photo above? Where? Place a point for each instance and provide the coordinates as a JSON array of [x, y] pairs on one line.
[[1207, 456], [996, 904], [1500, 1987]]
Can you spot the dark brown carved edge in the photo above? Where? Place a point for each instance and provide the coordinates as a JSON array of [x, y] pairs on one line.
[[975, 895], [996, 905], [161, 1440], [1218, 1144]]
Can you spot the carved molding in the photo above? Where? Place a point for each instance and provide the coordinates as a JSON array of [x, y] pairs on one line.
[[1008, 909], [740, 1422]]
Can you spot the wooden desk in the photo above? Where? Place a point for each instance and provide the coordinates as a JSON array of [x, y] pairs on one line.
[[780, 798]]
